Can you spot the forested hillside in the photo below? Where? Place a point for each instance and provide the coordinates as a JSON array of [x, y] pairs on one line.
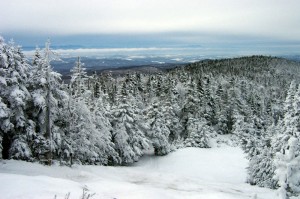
[[103, 120]]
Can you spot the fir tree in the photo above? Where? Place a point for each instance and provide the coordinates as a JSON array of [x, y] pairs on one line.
[[14, 72], [198, 134], [287, 159], [47, 107], [128, 136], [77, 78], [261, 166], [159, 131]]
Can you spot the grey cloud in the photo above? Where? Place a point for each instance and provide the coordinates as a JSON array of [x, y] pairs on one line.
[[267, 18]]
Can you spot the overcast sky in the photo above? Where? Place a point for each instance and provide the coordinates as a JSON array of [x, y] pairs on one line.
[[269, 19]]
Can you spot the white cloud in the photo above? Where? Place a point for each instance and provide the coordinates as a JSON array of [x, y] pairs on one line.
[[269, 18]]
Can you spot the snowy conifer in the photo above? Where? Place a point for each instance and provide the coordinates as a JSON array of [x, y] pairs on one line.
[[128, 136], [78, 78], [287, 148], [287, 163], [48, 102], [198, 133], [104, 129], [261, 166], [14, 72], [159, 131]]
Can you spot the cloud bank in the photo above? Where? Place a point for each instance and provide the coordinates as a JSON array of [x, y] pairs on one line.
[[267, 18]]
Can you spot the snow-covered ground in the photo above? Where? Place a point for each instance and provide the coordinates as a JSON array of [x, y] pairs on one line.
[[216, 173]]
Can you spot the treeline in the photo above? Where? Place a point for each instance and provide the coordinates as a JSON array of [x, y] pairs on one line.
[[103, 120]]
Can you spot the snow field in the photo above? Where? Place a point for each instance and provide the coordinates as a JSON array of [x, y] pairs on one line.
[[216, 173]]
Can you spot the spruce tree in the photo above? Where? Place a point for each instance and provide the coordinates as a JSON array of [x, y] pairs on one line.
[[128, 136], [78, 78], [48, 103], [261, 165], [198, 134], [14, 73], [159, 132], [287, 149]]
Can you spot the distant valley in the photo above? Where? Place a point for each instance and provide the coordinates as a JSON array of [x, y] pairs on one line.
[[120, 65]]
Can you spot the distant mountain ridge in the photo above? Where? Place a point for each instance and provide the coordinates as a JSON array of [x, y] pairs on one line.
[[150, 65]]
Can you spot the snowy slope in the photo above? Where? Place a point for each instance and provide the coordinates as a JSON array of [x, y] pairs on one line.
[[217, 173]]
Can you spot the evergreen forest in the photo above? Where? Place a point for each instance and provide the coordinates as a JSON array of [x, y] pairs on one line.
[[100, 119]]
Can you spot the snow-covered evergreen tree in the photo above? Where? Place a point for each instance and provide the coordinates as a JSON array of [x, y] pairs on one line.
[[198, 133], [78, 78], [108, 155], [159, 131], [14, 72], [173, 119], [87, 143], [287, 148], [287, 172], [190, 110], [128, 136], [47, 107], [261, 165], [5, 123]]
